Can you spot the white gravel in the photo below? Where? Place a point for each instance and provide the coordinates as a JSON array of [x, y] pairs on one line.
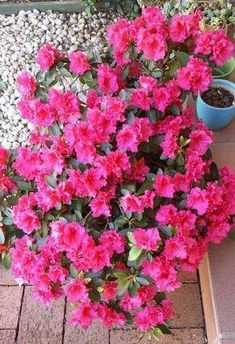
[[21, 36]]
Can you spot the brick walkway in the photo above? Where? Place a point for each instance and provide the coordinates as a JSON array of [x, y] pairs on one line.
[[24, 321]]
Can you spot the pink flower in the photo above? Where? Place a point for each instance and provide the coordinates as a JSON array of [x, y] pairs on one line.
[[26, 84], [128, 303], [131, 203], [200, 141], [99, 258], [110, 291], [6, 183], [68, 236], [139, 170], [3, 157], [161, 98], [183, 26], [196, 76], [66, 104], [148, 83], [163, 272], [143, 129], [100, 206], [180, 28], [164, 186], [222, 49], [166, 214], [175, 248], [76, 291], [113, 241], [197, 200], [149, 317], [216, 44], [47, 57], [39, 113], [84, 314], [78, 62], [195, 167], [109, 316], [147, 239], [181, 182], [153, 45], [147, 293], [107, 79], [140, 99], [169, 146], [127, 139], [93, 181], [24, 217]]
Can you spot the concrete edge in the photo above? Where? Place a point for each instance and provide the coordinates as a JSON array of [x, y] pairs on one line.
[[63, 6], [208, 302]]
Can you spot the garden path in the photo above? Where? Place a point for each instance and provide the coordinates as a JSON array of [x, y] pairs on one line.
[[23, 321]]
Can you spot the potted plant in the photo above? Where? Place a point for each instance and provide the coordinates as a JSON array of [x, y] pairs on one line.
[[216, 106], [116, 191]]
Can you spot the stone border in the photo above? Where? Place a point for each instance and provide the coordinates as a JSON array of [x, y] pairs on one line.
[[63, 6]]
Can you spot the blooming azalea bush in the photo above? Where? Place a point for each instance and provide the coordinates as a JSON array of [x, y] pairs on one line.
[[117, 191]]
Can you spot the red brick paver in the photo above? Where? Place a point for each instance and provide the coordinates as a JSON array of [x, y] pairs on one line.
[[6, 277], [7, 336], [38, 324], [96, 334], [31, 323], [180, 336], [10, 301], [186, 301]]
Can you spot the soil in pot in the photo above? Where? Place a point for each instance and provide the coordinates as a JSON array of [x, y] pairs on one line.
[[218, 97]]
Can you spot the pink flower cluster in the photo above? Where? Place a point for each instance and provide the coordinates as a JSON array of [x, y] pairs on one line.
[[123, 192], [7, 184], [215, 44]]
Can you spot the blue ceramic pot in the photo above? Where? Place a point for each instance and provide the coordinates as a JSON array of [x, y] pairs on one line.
[[216, 118]]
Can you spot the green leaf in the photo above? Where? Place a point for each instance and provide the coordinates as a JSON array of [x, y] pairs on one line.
[[94, 295], [134, 253], [6, 261], [174, 109], [159, 297], [142, 281], [120, 221], [164, 329], [24, 186], [120, 275], [182, 58], [180, 160], [2, 237], [88, 79], [152, 115], [123, 285], [151, 176], [214, 171], [166, 230], [172, 69], [65, 72], [186, 142], [147, 185], [7, 221], [131, 237], [51, 181], [232, 235], [133, 288], [55, 130]]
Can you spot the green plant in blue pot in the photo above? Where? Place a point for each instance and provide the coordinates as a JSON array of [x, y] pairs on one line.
[[216, 106]]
